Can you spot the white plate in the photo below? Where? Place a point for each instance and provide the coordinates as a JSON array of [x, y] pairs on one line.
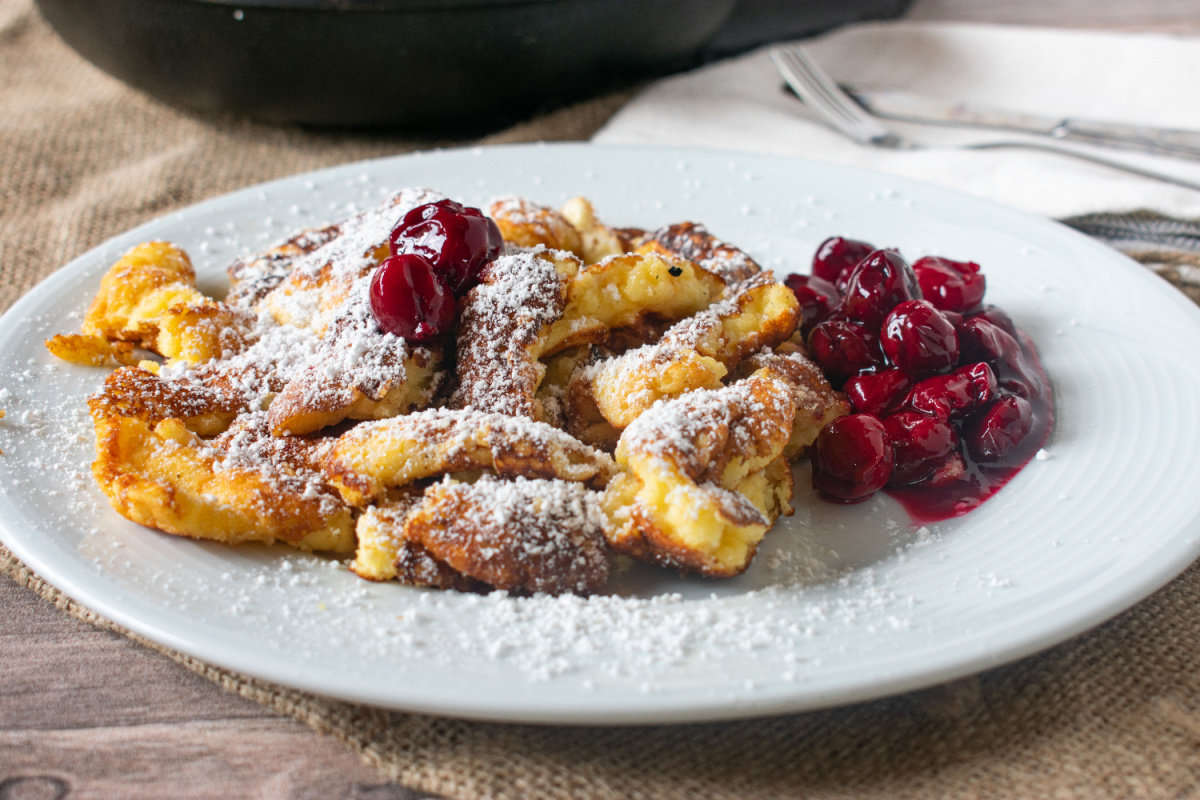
[[842, 604]]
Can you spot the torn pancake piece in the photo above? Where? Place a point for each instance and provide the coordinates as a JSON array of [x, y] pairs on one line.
[[626, 291], [692, 241], [704, 478], [380, 533], [356, 371], [527, 535], [524, 223], [229, 490], [376, 456], [817, 403], [149, 299], [696, 353], [502, 326]]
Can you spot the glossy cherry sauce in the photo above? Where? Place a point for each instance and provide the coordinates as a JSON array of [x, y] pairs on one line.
[[980, 481], [948, 399]]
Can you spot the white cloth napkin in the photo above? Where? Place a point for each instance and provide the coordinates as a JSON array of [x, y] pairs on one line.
[[1120, 77]]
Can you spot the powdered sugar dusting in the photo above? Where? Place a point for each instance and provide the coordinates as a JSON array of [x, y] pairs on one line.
[[500, 321]]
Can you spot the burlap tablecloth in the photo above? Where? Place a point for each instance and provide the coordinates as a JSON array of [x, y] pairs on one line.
[[1113, 713]]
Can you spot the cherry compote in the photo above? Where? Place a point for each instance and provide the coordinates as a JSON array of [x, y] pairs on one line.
[[950, 285], [437, 251], [876, 285], [836, 256], [411, 299], [921, 445], [918, 338], [845, 347], [949, 397], [877, 392], [817, 297], [456, 239], [852, 458]]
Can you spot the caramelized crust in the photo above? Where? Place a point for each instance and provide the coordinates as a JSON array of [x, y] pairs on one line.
[[253, 277], [91, 351], [135, 393], [527, 224], [693, 242], [167, 478], [502, 328]]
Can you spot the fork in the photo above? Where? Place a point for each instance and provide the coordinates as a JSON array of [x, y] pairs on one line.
[[827, 100]]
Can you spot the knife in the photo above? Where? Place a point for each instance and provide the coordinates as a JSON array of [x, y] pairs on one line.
[[909, 107]]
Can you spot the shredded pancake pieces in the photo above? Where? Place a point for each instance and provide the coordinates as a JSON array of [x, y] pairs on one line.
[[604, 391]]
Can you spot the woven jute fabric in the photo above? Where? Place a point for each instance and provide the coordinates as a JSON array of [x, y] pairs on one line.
[[1113, 713]]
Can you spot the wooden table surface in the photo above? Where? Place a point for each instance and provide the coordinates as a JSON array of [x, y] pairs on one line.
[[74, 721]]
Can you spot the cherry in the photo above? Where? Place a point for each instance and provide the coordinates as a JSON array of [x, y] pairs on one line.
[[817, 298], [879, 283], [994, 432], [852, 458], [876, 393], [844, 348], [982, 340], [955, 395], [950, 285], [918, 338], [409, 298], [836, 256], [457, 240], [920, 445], [955, 318], [998, 317]]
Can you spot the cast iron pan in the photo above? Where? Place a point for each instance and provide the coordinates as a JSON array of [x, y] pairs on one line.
[[405, 63]]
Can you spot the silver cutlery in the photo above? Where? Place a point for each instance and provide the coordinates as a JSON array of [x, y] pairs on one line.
[[912, 107], [837, 109]]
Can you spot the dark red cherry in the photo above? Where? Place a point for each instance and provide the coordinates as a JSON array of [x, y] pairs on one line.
[[980, 339], [410, 299], [457, 240], [997, 316], [844, 348], [954, 317], [920, 445], [852, 458], [817, 298], [992, 433], [955, 395], [876, 393], [950, 285], [985, 336], [918, 338], [836, 256], [879, 283]]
